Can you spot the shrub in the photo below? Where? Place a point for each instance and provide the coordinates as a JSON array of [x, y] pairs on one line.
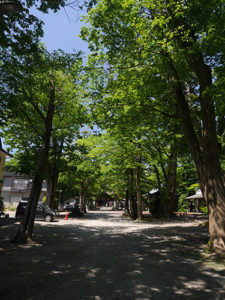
[[182, 203], [204, 210], [44, 200]]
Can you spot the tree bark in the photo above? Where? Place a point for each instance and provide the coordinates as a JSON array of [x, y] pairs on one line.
[[158, 178], [82, 198], [49, 191], [167, 198], [51, 185], [127, 211], [132, 201], [138, 188], [57, 149], [27, 223], [205, 151], [172, 180]]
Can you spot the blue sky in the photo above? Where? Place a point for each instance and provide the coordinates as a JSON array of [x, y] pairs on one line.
[[61, 30]]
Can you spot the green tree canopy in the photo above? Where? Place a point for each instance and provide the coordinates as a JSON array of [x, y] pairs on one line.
[[179, 44]]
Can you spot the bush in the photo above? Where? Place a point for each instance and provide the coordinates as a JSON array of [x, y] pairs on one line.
[[182, 203], [204, 210]]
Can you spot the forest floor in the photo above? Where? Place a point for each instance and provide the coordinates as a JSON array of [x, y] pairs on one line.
[[106, 256]]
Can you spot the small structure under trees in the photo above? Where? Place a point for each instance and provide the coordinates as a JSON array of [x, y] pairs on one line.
[[198, 201]]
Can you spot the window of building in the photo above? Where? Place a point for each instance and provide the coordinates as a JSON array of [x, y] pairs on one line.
[[19, 184], [7, 182]]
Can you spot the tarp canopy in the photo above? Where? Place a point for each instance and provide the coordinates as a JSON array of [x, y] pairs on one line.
[[197, 195]]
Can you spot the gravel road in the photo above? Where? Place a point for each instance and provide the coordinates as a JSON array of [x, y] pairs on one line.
[[106, 256]]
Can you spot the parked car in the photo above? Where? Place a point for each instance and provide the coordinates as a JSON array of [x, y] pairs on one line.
[[42, 211], [69, 206]]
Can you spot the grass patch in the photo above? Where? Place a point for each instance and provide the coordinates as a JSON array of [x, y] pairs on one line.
[[214, 261]]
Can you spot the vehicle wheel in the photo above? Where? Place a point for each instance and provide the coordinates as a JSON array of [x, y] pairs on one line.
[[48, 218]]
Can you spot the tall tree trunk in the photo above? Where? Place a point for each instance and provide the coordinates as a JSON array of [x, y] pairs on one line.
[[52, 184], [138, 188], [53, 171], [127, 211], [82, 198], [172, 179], [164, 192], [205, 154], [212, 179], [167, 197], [132, 201], [155, 202], [55, 176], [25, 231], [205, 149], [49, 191], [158, 178]]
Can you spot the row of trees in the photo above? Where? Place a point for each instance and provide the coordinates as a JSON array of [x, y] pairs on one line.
[[46, 103], [164, 62], [153, 84], [42, 101]]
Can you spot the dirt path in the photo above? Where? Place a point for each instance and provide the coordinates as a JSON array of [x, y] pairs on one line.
[[104, 256]]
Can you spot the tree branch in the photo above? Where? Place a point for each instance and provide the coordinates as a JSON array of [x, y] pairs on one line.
[[31, 123], [34, 105]]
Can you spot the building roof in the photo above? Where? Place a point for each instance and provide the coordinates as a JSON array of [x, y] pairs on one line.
[[16, 175]]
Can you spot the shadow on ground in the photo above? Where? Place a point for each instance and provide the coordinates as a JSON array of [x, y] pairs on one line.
[[82, 262]]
